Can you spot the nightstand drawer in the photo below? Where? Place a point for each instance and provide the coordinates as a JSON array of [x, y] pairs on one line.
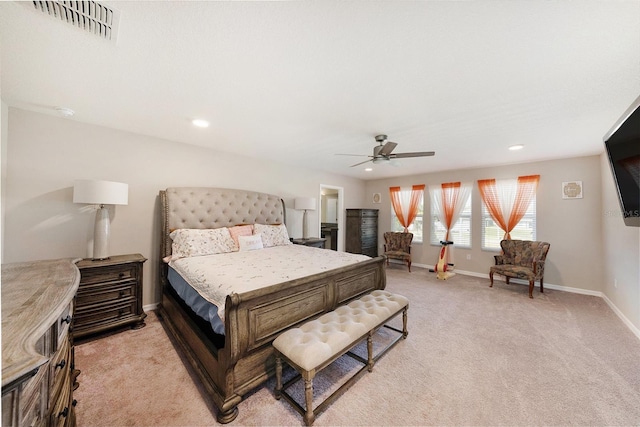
[[108, 274], [103, 314], [105, 293]]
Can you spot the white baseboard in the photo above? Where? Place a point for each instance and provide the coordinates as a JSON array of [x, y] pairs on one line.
[[150, 307], [610, 303], [626, 321]]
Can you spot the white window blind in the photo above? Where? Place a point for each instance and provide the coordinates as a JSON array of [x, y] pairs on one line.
[[460, 234], [416, 226], [492, 235]]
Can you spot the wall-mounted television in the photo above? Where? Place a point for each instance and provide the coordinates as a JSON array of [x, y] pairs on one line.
[[622, 144]]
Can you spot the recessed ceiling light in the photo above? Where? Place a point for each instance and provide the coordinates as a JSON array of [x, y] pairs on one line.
[[368, 169], [65, 112], [516, 147], [200, 123]]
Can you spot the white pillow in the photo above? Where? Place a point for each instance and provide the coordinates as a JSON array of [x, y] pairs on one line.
[[250, 243], [272, 235], [188, 242]]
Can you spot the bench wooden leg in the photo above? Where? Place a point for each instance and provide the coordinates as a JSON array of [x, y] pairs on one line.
[[405, 332], [370, 361], [309, 416], [278, 377]]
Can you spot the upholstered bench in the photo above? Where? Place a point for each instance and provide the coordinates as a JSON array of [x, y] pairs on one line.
[[317, 343]]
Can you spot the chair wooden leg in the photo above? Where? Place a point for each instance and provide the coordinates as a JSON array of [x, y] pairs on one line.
[[530, 288], [541, 285], [506, 278], [491, 278], [409, 264]]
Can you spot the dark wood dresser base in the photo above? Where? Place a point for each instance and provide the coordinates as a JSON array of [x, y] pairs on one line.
[[109, 295]]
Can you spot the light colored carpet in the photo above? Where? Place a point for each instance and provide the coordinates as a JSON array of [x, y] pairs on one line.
[[474, 356]]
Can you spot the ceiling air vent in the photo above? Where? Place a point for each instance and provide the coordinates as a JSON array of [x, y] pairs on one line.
[[90, 16]]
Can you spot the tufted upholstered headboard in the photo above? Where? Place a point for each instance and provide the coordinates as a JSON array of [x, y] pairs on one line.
[[203, 207]]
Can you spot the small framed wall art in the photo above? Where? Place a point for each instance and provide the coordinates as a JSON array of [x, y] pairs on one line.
[[377, 198], [572, 190]]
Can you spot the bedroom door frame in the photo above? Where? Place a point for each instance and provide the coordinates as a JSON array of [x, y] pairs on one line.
[[340, 212]]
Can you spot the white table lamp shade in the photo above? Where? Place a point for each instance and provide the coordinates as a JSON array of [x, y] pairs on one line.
[[305, 203], [101, 193]]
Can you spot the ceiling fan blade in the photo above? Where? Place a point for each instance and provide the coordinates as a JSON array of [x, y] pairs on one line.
[[358, 155], [407, 155], [361, 163], [387, 148]]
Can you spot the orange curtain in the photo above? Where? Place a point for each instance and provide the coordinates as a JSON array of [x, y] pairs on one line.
[[489, 196], [417, 191], [450, 193], [527, 187], [526, 190], [394, 193]]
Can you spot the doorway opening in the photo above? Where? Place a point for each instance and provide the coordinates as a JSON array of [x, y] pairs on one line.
[[331, 216]]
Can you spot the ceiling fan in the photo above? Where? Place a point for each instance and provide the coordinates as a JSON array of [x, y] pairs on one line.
[[383, 152]]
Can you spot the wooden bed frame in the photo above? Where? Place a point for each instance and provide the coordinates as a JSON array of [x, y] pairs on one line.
[[252, 319]]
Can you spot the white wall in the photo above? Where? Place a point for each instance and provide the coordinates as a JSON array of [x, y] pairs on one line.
[[573, 227], [621, 243], [46, 154]]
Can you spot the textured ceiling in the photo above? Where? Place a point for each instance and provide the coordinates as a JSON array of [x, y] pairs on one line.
[[298, 82]]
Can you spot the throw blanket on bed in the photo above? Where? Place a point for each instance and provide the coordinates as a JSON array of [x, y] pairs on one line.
[[216, 276]]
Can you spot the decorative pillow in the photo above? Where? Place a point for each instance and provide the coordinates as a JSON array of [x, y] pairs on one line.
[[240, 230], [250, 243], [188, 242], [273, 235]]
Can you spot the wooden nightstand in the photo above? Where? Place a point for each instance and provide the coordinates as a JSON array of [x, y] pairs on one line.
[[109, 295], [311, 241]]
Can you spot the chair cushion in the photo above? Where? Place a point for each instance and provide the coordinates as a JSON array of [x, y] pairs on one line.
[[398, 255], [514, 271]]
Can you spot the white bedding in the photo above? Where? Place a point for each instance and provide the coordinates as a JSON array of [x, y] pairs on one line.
[[216, 276]]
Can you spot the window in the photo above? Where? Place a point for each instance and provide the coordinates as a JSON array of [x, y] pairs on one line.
[[460, 234], [492, 235], [417, 224]]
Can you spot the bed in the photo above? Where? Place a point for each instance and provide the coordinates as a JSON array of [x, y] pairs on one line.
[[231, 364]]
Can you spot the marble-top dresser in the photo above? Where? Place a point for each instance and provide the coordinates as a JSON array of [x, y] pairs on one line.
[[38, 374]]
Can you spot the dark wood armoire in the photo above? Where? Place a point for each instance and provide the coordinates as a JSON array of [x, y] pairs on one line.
[[362, 232]]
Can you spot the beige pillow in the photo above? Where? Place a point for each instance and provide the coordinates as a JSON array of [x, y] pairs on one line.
[[272, 235], [189, 242]]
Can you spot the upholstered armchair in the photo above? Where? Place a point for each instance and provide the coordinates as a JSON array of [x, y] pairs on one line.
[[522, 259], [398, 246]]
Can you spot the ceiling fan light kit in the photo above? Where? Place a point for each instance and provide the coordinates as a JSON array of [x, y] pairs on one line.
[[383, 152]]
